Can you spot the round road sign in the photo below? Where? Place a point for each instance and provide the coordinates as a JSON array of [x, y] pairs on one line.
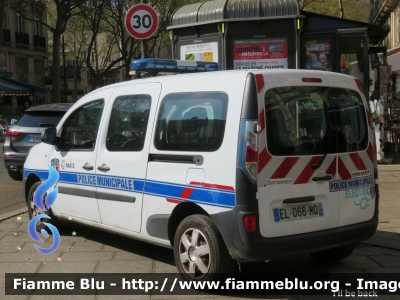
[[141, 21]]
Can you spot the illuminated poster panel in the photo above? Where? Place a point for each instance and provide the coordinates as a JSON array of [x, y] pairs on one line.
[[260, 54]]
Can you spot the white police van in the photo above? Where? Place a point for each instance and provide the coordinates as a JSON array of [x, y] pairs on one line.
[[225, 167]]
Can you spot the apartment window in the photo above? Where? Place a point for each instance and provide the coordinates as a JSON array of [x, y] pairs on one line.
[[37, 24], [20, 23], [21, 65], [38, 67], [111, 77], [3, 62]]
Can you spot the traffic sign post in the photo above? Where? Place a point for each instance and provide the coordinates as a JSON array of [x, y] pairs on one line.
[[141, 21]]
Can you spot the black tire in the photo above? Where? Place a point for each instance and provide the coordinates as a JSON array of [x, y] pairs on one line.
[[34, 211], [208, 263], [16, 175], [333, 255]]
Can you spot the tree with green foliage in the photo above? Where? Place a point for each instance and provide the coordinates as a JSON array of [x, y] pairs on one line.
[[356, 10]]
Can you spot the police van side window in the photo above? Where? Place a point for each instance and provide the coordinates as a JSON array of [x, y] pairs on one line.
[[128, 123], [80, 130], [191, 121], [307, 120]]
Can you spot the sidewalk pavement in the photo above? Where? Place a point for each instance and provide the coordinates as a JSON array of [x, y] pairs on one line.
[[94, 251]]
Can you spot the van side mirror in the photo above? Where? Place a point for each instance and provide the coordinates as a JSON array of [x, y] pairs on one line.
[[49, 136]]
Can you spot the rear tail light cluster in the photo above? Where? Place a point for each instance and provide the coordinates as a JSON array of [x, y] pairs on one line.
[[10, 132], [248, 153], [251, 162]]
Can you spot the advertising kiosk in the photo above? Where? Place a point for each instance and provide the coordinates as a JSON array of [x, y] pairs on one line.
[[265, 34]]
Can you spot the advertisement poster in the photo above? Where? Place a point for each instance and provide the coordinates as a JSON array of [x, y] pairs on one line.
[[200, 52], [318, 55], [260, 54]]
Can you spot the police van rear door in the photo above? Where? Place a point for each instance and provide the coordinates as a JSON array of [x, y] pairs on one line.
[[356, 183], [297, 158]]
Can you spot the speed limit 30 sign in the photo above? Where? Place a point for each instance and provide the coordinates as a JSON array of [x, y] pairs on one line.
[[141, 21]]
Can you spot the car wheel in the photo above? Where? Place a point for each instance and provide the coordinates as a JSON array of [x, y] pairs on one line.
[[34, 211], [199, 250], [334, 254], [16, 175]]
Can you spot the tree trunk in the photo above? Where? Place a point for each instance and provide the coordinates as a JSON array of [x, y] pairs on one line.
[[75, 87], [341, 9], [56, 69], [1, 20]]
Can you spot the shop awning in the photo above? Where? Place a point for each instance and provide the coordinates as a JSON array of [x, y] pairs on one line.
[[13, 87], [233, 10]]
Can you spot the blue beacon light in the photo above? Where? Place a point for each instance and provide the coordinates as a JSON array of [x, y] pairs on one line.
[[173, 66]]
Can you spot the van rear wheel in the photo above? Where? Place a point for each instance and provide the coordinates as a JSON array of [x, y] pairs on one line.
[[199, 250], [334, 254]]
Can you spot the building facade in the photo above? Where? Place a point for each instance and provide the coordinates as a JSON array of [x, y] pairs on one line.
[[23, 51]]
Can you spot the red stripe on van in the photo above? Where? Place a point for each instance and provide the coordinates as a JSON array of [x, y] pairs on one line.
[[261, 120], [186, 193], [173, 200], [342, 170], [213, 186], [285, 167], [332, 168], [356, 158], [260, 82], [308, 171], [263, 159], [370, 152]]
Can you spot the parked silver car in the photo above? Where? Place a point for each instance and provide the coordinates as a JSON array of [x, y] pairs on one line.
[[26, 133]]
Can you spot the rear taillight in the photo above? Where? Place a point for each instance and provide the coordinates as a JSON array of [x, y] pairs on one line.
[[250, 223], [251, 155], [251, 160], [359, 86], [10, 132]]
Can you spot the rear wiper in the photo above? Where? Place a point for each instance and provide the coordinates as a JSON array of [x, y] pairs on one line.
[[46, 125], [316, 166]]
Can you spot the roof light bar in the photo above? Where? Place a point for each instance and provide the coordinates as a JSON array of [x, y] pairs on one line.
[[174, 66]]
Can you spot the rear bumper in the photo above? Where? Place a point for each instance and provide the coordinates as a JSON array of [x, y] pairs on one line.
[[247, 247], [14, 161]]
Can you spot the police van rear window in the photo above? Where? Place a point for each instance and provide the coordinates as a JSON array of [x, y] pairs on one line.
[[191, 121], [307, 120]]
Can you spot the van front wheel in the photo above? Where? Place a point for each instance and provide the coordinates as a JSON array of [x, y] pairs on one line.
[[199, 250], [334, 254]]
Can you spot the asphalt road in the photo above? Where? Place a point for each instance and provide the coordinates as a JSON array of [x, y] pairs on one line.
[[10, 189]]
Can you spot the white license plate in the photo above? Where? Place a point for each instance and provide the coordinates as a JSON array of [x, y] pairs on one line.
[[297, 212], [34, 138]]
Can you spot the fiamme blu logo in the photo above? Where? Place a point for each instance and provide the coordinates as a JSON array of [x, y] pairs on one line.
[[44, 201]]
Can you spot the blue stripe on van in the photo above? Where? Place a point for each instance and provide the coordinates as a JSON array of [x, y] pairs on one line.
[[198, 194]]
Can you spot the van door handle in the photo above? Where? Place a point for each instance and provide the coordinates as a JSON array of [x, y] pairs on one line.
[[87, 167], [103, 167], [322, 178], [299, 200]]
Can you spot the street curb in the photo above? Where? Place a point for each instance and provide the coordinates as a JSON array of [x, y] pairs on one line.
[[13, 213]]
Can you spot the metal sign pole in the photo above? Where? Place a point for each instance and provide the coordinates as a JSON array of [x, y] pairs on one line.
[[144, 43]]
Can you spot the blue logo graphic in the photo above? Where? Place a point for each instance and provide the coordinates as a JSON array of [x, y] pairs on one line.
[[363, 204], [49, 200]]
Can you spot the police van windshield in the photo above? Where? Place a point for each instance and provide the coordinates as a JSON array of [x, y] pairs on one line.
[[303, 120]]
